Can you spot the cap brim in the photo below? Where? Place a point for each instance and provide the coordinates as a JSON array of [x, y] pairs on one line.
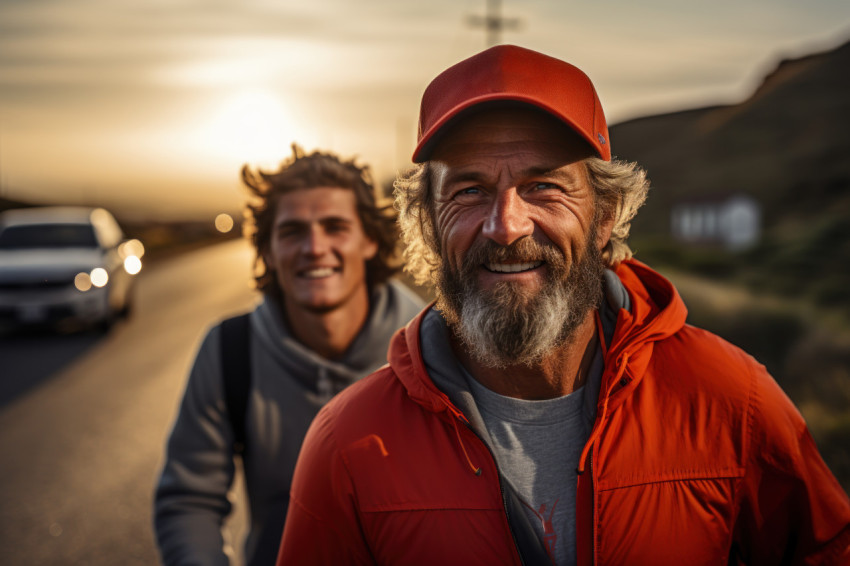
[[435, 133]]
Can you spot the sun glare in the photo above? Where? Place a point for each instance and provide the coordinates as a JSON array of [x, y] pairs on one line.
[[251, 126]]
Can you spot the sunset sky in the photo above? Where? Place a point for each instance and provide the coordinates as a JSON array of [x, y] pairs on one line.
[[151, 107]]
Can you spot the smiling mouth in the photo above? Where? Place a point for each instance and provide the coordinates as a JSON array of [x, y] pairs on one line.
[[317, 273], [512, 267]]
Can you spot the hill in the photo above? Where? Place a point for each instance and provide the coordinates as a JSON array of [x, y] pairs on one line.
[[786, 147], [787, 144]]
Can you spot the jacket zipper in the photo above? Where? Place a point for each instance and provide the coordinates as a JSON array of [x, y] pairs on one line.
[[501, 489], [592, 509], [585, 506]]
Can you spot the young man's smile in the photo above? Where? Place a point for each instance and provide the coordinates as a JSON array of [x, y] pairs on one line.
[[318, 272]]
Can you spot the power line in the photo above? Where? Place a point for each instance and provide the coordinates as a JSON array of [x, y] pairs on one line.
[[493, 22]]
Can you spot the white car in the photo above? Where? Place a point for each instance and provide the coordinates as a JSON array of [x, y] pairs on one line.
[[61, 264]]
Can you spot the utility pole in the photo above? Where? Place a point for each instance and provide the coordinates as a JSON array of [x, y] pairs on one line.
[[493, 22]]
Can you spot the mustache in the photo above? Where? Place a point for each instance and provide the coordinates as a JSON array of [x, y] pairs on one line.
[[524, 250]]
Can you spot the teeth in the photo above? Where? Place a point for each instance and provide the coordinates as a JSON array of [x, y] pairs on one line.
[[512, 267], [317, 273]]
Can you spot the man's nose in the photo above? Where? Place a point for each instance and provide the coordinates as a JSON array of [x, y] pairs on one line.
[[508, 220], [315, 242]]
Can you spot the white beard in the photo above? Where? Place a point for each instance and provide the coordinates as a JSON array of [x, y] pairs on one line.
[[504, 327]]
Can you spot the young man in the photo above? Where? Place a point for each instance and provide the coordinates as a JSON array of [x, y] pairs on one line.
[[324, 251], [553, 407]]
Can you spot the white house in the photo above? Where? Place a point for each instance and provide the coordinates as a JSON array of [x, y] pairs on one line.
[[733, 221]]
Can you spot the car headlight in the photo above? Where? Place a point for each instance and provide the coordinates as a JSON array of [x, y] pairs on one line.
[[132, 264], [82, 281], [99, 277]]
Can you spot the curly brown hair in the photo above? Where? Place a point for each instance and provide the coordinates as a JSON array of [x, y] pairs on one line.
[[620, 188], [306, 171]]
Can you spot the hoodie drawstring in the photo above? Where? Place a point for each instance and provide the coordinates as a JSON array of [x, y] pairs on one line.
[[475, 469]]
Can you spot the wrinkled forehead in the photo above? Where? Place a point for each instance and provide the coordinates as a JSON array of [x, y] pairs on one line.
[[515, 137]]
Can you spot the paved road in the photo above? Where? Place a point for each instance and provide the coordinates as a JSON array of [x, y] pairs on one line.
[[80, 449]]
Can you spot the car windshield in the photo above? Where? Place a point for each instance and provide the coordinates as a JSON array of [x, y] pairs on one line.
[[41, 236]]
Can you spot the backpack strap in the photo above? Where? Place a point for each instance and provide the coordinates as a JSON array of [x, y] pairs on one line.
[[236, 371]]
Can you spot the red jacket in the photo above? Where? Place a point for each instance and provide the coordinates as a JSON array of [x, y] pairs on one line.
[[696, 457]]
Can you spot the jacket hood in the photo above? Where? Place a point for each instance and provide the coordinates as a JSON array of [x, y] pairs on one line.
[[405, 358], [656, 312]]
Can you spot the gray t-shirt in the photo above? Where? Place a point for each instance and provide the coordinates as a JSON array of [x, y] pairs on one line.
[[537, 445]]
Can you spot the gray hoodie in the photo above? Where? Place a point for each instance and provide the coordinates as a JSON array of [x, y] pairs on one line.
[[289, 385]]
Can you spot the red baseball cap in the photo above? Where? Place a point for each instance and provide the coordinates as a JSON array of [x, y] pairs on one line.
[[511, 73]]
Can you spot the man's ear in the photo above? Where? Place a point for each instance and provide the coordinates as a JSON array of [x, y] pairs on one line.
[[267, 259], [604, 228], [370, 249]]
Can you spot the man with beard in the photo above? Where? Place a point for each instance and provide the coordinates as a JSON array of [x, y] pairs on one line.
[[552, 407]]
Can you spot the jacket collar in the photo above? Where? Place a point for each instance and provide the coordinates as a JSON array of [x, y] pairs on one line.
[[656, 312]]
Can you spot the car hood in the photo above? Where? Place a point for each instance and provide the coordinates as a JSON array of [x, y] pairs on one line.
[[47, 264]]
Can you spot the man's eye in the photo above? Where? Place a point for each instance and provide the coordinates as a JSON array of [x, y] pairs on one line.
[[336, 228], [289, 232], [469, 191], [544, 186]]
